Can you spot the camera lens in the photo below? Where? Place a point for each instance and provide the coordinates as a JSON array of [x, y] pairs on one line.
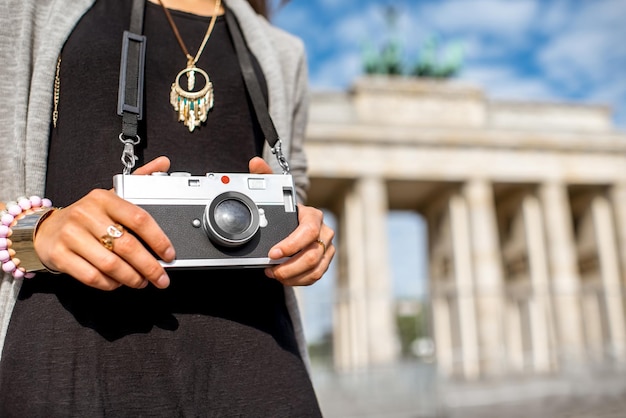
[[232, 216], [231, 220]]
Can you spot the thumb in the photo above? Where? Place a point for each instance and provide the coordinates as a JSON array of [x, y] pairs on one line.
[[257, 165], [158, 164]]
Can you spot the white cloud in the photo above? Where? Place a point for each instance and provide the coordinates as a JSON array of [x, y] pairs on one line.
[[331, 4], [354, 29], [577, 58], [504, 18], [588, 46], [478, 48], [584, 56], [613, 94], [338, 72], [603, 14], [297, 21], [505, 83], [610, 92], [555, 15]]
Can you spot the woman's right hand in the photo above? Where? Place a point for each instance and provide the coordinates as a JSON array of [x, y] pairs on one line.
[[69, 240]]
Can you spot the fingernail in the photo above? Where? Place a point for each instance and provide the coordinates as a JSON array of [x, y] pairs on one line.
[[144, 284], [275, 253], [269, 273], [163, 281], [169, 254]]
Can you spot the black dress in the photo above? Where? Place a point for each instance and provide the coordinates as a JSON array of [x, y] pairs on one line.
[[216, 342]]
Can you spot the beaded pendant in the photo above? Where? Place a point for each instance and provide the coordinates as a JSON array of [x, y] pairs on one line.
[[192, 106]]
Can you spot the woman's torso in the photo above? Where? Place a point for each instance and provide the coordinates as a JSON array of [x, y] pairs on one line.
[[216, 342]]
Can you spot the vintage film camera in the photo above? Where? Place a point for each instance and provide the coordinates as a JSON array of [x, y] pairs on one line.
[[216, 220]]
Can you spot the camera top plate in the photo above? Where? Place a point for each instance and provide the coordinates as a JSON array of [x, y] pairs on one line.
[[183, 188]]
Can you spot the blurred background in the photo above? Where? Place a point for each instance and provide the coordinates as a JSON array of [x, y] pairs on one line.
[[471, 155]]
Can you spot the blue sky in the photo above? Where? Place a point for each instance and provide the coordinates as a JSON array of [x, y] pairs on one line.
[[545, 50], [532, 50]]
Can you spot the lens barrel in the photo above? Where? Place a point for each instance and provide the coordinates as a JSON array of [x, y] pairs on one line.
[[231, 219]]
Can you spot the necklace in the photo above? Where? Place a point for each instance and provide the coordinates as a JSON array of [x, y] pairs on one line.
[[192, 106]]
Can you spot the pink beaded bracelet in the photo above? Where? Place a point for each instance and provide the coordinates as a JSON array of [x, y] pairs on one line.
[[10, 217]]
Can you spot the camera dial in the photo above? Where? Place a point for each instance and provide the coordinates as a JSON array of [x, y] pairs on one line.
[[231, 219]]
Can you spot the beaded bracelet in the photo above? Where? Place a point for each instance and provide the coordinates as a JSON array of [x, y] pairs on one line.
[[23, 218]]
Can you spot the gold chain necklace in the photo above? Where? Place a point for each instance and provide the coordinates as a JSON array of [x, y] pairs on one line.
[[192, 106]]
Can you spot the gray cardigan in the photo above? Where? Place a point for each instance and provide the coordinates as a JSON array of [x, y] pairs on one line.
[[32, 33]]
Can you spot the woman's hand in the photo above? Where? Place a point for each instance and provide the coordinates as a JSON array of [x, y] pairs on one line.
[[69, 240], [310, 244]]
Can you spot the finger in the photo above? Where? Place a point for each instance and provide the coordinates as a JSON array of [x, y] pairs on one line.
[[142, 224], [89, 248], [292, 275], [109, 206], [316, 256], [158, 164], [133, 264], [309, 228], [89, 275], [257, 165], [84, 271], [308, 259]]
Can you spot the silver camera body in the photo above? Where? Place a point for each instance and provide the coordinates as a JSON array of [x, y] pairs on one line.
[[219, 219]]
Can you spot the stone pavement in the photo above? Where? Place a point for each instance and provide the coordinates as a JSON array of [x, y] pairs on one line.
[[599, 396], [414, 391], [399, 391], [609, 406]]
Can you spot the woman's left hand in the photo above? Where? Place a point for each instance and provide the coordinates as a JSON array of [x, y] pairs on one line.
[[310, 244]]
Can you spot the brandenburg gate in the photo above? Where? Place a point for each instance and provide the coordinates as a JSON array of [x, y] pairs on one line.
[[526, 211]]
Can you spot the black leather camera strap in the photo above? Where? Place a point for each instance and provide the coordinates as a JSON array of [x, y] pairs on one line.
[[252, 82], [130, 95], [130, 91]]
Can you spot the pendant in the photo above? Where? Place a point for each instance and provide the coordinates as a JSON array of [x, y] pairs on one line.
[[192, 106]]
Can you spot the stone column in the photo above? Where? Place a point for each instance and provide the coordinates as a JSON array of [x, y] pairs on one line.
[[443, 334], [341, 326], [365, 331], [383, 343], [487, 275], [350, 331], [539, 306], [618, 200], [610, 272], [564, 269], [514, 338], [462, 260]]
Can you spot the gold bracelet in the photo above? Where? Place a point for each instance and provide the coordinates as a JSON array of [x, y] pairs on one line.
[[23, 239]]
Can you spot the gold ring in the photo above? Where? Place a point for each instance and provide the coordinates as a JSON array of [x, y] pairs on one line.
[[113, 232], [107, 242], [323, 244]]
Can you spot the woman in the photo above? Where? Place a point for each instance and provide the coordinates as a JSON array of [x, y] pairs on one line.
[[115, 333]]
